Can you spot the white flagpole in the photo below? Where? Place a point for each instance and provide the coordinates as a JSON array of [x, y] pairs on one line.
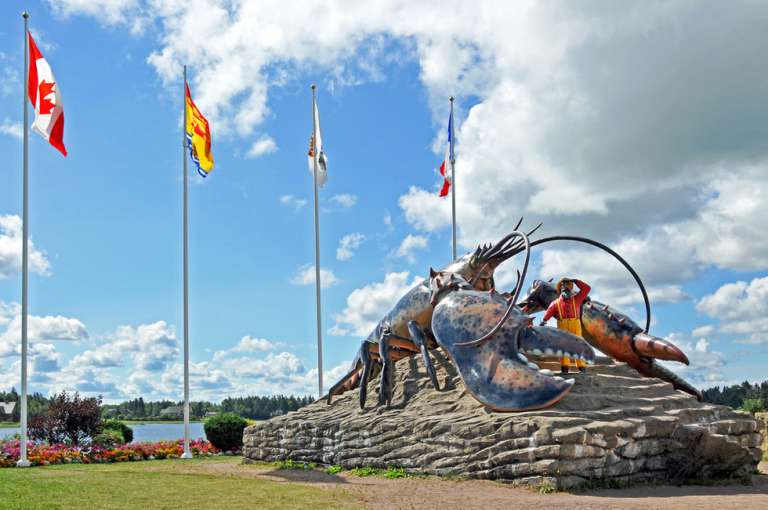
[[317, 250], [453, 184], [23, 461], [187, 453]]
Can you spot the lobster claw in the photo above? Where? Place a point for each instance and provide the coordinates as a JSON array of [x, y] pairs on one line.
[[658, 348], [493, 371]]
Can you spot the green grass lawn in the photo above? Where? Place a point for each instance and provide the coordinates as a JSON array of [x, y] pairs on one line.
[[8, 424], [160, 484]]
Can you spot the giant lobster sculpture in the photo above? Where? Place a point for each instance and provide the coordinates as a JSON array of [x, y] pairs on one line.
[[490, 337]]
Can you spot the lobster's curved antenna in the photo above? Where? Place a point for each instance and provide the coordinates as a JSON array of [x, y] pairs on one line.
[[618, 257], [512, 300]]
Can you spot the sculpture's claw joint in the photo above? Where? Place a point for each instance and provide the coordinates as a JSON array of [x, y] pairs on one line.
[[657, 348]]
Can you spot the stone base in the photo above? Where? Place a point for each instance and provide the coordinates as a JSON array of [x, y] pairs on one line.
[[614, 424]]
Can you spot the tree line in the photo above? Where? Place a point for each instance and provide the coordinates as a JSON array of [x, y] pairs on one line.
[[753, 397], [253, 407]]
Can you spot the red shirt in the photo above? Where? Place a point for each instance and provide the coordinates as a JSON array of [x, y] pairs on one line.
[[571, 306]]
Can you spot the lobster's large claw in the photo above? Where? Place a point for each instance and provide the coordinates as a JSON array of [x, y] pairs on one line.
[[658, 348], [493, 371]]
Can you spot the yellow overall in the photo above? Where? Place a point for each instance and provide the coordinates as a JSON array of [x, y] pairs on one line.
[[572, 325]]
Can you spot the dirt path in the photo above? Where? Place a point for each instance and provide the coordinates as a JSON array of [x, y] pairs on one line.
[[434, 493]]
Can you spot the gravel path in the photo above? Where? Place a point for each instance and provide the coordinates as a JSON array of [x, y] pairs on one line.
[[434, 493]]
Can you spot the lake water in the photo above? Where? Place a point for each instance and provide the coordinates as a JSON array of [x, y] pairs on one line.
[[147, 431]]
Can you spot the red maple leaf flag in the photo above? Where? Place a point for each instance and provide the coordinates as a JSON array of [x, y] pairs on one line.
[[44, 95]]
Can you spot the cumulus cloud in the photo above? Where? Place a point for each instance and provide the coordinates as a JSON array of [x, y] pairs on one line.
[[742, 308], [264, 145], [367, 305], [10, 249], [409, 245], [12, 129], [150, 347], [707, 366], [247, 344], [306, 276], [109, 12], [348, 245], [41, 329], [612, 283], [345, 200], [293, 202], [578, 114], [703, 331]]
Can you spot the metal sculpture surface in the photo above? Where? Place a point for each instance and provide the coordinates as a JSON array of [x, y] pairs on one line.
[[488, 336], [477, 267]]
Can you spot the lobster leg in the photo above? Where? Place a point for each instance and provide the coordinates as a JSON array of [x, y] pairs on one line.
[[418, 337], [365, 357], [385, 386], [347, 380]]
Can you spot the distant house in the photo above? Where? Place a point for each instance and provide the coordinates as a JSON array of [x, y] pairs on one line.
[[209, 414], [172, 413], [6, 410]]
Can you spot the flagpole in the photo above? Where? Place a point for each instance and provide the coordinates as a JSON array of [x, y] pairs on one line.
[[317, 250], [453, 184], [23, 461], [187, 453]]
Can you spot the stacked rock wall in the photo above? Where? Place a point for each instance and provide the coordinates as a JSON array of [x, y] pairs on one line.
[[613, 425]]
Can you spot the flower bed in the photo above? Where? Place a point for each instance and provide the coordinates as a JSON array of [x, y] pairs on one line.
[[43, 455]]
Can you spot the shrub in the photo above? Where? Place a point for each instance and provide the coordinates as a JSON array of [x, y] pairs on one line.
[[69, 418], [124, 431], [108, 439], [225, 431], [752, 405]]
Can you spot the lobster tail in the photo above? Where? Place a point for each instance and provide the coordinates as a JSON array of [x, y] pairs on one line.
[[654, 369]]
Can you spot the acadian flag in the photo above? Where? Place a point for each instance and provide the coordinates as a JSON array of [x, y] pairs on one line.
[[45, 98], [316, 152], [198, 136], [447, 166]]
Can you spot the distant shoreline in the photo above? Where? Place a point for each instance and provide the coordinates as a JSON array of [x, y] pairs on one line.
[[141, 422], [9, 424]]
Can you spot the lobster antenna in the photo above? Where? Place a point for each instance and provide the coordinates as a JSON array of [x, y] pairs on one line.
[[512, 301]]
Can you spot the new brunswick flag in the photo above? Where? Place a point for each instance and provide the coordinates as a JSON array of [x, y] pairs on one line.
[[198, 137]]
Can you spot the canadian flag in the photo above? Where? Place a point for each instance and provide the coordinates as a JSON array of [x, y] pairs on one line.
[[446, 168], [45, 97]]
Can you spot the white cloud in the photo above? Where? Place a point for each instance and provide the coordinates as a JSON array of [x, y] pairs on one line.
[[13, 129], [368, 304], [742, 309], [306, 276], [706, 368], [345, 200], [292, 201], [649, 155], [348, 245], [150, 347], [41, 329], [109, 12], [737, 301], [10, 249], [705, 330], [264, 145], [656, 262], [247, 344], [410, 244]]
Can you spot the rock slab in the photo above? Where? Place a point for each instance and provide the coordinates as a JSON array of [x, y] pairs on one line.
[[614, 424]]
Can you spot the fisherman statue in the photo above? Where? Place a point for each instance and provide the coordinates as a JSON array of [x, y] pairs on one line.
[[567, 310]]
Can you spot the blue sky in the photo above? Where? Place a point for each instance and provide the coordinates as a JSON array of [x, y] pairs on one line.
[[649, 135]]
